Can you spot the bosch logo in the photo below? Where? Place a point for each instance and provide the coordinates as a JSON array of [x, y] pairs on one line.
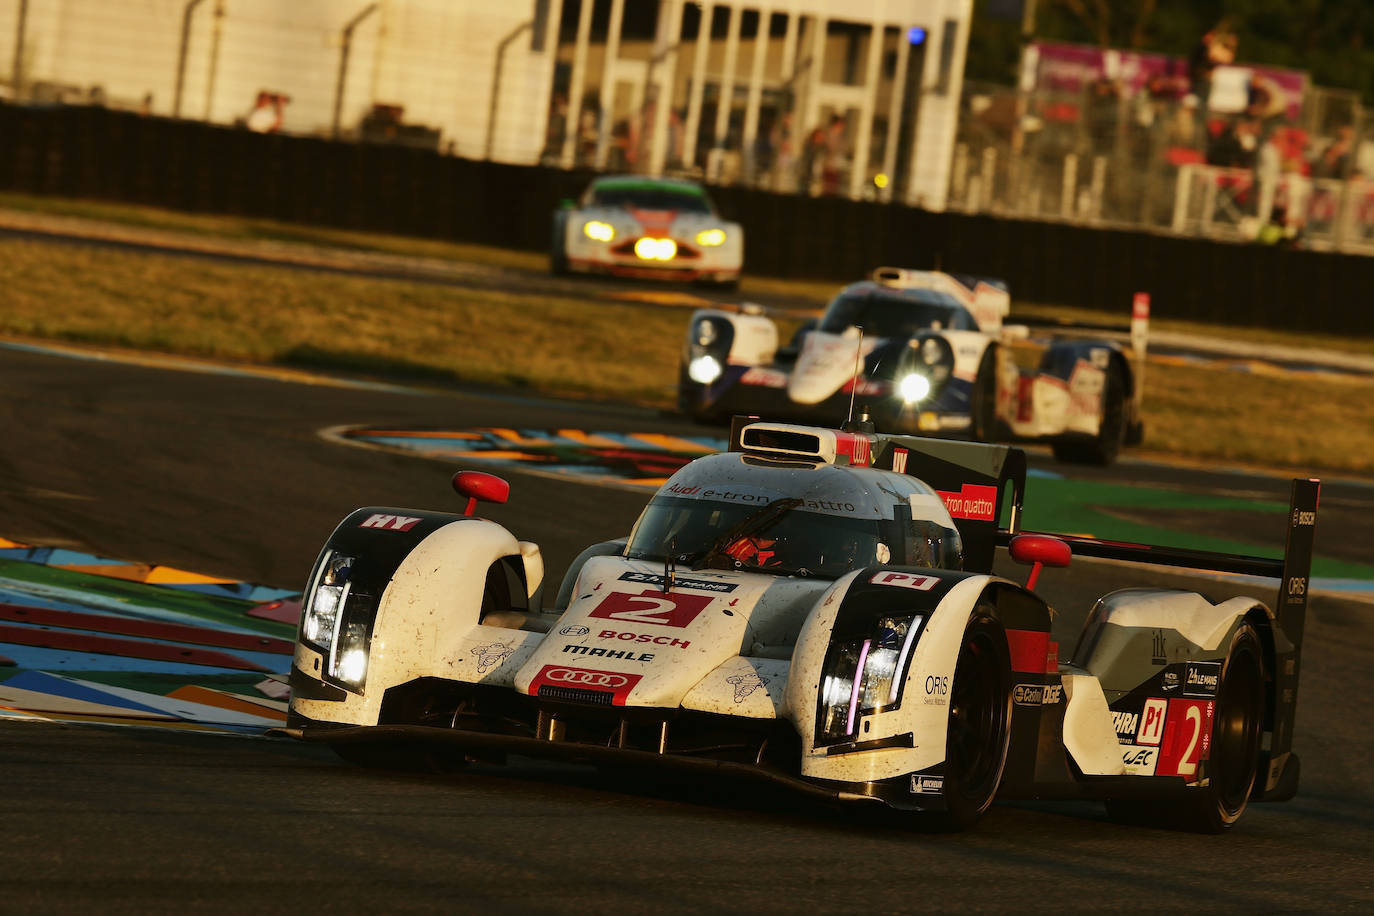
[[937, 686], [574, 631], [1304, 519], [585, 678]]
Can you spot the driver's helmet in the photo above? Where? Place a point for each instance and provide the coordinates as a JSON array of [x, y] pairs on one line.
[[760, 552]]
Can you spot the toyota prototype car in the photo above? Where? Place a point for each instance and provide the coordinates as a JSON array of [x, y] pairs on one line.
[[815, 608], [924, 352], [650, 228]]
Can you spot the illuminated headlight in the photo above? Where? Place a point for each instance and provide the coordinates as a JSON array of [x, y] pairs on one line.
[[704, 370], [864, 676], [349, 662], [648, 249], [598, 231], [711, 238], [322, 614], [914, 387]]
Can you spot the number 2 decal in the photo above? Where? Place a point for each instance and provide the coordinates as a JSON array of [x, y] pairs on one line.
[[1187, 738]]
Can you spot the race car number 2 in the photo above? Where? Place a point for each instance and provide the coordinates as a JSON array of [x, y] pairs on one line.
[[656, 608]]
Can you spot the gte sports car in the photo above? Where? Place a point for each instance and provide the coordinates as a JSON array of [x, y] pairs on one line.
[[657, 228], [925, 352], [816, 608]]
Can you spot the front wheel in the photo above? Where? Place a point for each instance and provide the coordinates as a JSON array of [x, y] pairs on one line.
[[983, 400], [979, 729]]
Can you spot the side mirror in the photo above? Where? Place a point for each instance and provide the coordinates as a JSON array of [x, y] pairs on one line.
[[1041, 550], [475, 485]]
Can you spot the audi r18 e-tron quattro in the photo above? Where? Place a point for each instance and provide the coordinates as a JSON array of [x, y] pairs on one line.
[[650, 228], [817, 608], [925, 352]]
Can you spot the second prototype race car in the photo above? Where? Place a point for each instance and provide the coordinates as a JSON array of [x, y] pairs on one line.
[[651, 228], [924, 352], [817, 608]]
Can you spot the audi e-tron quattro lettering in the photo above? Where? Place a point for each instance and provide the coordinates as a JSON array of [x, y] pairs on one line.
[[923, 352], [817, 608], [650, 228]]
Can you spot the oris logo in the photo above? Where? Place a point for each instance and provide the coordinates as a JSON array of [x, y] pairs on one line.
[[937, 686], [552, 678], [584, 678]]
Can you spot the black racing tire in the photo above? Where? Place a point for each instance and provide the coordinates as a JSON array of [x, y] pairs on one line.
[[1233, 762], [979, 729], [1103, 448], [983, 399], [558, 249]]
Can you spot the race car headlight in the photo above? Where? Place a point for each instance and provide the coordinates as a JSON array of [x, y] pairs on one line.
[[349, 661], [598, 231], [704, 369], [322, 613], [711, 238], [651, 249], [863, 676], [913, 387]]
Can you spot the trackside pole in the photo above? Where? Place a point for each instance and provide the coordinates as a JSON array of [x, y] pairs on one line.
[[1140, 333]]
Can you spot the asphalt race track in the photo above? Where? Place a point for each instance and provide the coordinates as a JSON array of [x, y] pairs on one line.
[[227, 475]]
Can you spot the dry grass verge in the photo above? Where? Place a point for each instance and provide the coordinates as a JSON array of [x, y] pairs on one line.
[[558, 345]]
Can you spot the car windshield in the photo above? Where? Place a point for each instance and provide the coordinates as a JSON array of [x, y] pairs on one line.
[[642, 196], [891, 316], [786, 539]]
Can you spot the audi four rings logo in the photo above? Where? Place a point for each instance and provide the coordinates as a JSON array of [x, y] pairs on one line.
[[562, 678], [585, 678]]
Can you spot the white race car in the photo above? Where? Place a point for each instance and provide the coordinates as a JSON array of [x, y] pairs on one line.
[[813, 607], [657, 228], [921, 352]]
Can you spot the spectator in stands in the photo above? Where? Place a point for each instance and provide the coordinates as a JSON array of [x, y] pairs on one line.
[[812, 154], [1236, 146], [1334, 161], [1216, 48], [836, 155]]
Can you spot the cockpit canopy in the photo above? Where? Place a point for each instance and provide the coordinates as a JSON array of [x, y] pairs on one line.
[[886, 312], [734, 511]]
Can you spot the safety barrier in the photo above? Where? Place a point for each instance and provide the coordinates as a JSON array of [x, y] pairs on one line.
[[97, 153]]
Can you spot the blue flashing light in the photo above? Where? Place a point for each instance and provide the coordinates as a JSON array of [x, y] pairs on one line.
[[916, 35]]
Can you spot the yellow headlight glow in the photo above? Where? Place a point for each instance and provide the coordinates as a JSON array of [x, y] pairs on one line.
[[599, 231], [710, 238], [649, 249]]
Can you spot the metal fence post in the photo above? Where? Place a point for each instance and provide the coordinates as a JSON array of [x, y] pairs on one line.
[[343, 63]]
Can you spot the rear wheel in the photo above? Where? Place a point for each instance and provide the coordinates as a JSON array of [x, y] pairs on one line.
[[1103, 448], [979, 721], [1233, 762], [558, 247]]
